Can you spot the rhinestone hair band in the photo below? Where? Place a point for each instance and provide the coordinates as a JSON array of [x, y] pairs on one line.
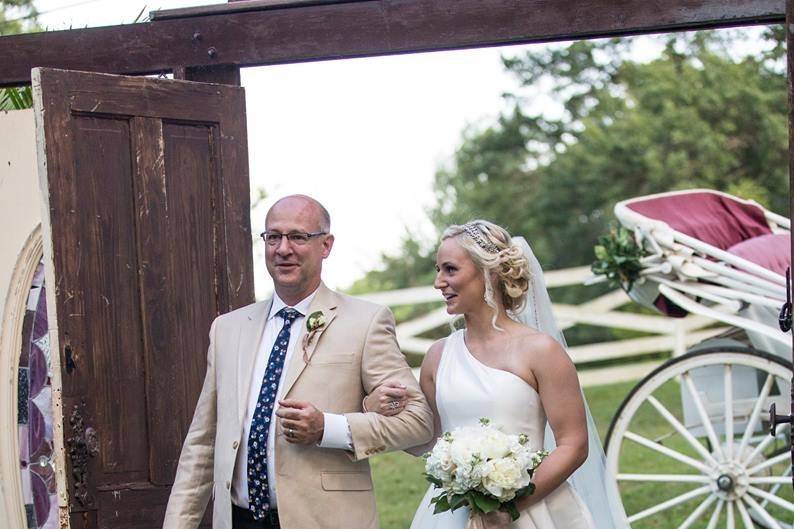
[[474, 232]]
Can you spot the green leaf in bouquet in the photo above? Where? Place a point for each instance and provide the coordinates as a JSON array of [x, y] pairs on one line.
[[442, 504], [483, 502], [456, 501], [432, 479], [472, 504], [510, 508], [526, 491]]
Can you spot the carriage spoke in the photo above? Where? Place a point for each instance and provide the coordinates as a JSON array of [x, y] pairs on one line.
[[681, 429], [759, 449], [721, 449], [667, 478], [697, 513], [715, 516], [771, 522], [771, 498], [669, 503], [769, 462], [704, 416], [777, 486], [666, 451], [778, 480], [729, 410], [756, 413], [745, 516]]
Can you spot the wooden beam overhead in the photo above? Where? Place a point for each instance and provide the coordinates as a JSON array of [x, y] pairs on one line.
[[236, 6], [308, 31]]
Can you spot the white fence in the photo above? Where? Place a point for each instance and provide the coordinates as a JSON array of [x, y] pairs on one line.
[[669, 334]]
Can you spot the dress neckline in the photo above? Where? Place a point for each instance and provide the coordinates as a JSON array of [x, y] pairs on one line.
[[486, 366]]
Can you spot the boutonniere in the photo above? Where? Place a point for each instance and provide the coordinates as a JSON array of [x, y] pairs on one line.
[[315, 323]]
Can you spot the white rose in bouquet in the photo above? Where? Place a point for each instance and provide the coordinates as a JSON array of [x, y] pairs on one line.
[[504, 477], [483, 468], [439, 463]]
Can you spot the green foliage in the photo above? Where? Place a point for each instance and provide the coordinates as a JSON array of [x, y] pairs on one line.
[[17, 16], [16, 98], [696, 116], [618, 258], [413, 266]]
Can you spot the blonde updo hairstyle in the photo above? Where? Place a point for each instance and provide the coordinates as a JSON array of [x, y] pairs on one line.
[[503, 264]]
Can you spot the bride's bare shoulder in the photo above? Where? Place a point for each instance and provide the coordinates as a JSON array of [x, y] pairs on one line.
[[538, 343], [432, 358], [433, 354]]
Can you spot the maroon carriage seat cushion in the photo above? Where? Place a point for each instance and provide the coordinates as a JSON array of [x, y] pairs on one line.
[[773, 251], [714, 219]]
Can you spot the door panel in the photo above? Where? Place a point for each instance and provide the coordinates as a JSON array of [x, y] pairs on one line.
[[148, 237]]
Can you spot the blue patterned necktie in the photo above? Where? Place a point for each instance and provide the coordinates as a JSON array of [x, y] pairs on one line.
[[258, 489]]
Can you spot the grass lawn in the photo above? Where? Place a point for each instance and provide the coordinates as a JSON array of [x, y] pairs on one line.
[[399, 485]]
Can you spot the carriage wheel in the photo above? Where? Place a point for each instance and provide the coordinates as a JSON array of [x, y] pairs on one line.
[[685, 457]]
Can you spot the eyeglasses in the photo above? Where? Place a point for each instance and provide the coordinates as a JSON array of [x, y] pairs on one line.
[[273, 238]]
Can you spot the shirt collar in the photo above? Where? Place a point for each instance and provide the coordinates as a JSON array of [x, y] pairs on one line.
[[302, 306]]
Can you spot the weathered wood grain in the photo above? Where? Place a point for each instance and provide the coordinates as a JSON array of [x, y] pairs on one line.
[[148, 229], [317, 31]]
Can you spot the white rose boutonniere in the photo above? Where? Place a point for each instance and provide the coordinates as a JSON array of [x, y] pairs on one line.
[[315, 323]]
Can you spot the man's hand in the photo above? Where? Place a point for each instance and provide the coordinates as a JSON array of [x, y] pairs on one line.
[[301, 422]]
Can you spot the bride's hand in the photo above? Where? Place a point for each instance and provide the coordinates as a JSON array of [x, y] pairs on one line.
[[387, 399]]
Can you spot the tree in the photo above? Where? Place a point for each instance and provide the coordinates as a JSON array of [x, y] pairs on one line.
[[696, 116], [17, 16]]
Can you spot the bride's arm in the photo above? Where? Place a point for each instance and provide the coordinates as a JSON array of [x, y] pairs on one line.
[[378, 400], [427, 381], [561, 397]]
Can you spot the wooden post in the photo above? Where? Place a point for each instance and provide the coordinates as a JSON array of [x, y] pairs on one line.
[[220, 74]]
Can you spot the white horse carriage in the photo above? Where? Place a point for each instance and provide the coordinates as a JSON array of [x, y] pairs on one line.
[[693, 439]]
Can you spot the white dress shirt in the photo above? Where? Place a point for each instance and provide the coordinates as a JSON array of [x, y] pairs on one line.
[[336, 433]]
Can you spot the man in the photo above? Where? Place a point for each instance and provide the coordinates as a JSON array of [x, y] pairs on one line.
[[278, 438]]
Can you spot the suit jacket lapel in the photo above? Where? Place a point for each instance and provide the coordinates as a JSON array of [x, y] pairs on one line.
[[326, 302], [251, 331]]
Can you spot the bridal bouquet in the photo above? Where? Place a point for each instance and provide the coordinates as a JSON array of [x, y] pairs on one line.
[[482, 468]]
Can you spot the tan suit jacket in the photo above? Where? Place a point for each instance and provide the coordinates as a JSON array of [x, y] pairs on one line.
[[316, 487]]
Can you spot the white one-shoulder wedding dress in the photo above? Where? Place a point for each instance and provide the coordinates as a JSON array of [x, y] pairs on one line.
[[467, 390]]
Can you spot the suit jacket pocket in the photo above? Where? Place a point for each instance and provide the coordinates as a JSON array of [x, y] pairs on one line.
[[346, 480], [332, 358]]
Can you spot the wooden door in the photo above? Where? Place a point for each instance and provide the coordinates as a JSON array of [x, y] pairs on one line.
[[147, 239]]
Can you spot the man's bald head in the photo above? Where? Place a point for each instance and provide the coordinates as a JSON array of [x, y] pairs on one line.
[[296, 266], [308, 206]]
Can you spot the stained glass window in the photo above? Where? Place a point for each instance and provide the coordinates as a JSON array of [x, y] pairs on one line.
[[34, 412]]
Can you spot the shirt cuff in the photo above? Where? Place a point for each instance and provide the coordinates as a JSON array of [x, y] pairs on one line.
[[336, 432]]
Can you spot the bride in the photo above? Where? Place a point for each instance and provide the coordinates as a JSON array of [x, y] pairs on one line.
[[509, 364]]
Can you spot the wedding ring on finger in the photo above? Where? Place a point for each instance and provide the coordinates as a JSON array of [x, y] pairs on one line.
[[394, 404], [290, 432]]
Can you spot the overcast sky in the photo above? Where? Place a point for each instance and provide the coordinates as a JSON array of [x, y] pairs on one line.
[[364, 136]]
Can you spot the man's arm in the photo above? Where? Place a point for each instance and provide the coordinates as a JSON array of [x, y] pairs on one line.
[[193, 482], [382, 360]]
